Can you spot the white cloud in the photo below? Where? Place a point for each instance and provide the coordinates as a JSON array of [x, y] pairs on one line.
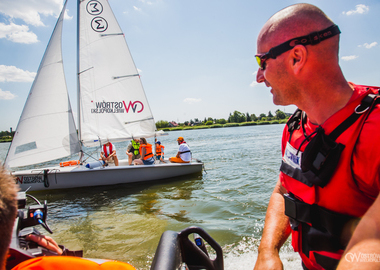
[[136, 8], [349, 57], [17, 33], [368, 46], [254, 83], [146, 2], [6, 95], [192, 100], [14, 74], [67, 16], [360, 9], [29, 11]]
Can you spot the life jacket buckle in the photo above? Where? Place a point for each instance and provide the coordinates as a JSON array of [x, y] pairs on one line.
[[358, 110], [366, 103]]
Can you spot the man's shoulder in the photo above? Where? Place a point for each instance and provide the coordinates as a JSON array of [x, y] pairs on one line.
[[184, 146]]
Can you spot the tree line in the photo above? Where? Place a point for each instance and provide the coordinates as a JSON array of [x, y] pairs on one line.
[[235, 117], [6, 136]]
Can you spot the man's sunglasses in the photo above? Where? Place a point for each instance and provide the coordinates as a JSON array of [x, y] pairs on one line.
[[311, 39]]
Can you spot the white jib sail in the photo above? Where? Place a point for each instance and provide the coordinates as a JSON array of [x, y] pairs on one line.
[[112, 100], [46, 129]]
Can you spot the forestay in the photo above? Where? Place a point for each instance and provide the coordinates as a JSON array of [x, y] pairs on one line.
[[112, 100], [46, 129]]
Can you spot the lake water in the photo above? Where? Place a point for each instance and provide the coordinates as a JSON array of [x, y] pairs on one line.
[[229, 201]]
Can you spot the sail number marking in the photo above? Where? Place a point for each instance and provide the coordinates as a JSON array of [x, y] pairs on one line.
[[99, 24], [94, 7]]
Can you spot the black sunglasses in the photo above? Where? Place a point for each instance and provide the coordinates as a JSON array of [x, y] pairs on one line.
[[311, 39]]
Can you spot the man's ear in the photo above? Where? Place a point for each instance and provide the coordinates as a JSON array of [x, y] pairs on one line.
[[298, 58]]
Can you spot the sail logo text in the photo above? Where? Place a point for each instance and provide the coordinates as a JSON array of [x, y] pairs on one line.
[[30, 179], [118, 107]]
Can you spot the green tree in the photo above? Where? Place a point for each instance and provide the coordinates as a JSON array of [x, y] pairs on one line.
[[162, 124], [280, 114], [270, 114], [262, 115], [254, 117], [238, 117], [208, 123], [249, 119], [221, 121]]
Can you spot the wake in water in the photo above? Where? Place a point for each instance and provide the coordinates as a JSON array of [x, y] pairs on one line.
[[243, 255]]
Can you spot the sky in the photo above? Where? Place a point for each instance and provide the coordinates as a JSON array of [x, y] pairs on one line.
[[195, 58]]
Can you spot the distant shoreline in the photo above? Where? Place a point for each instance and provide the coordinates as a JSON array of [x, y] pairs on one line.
[[243, 124], [209, 126]]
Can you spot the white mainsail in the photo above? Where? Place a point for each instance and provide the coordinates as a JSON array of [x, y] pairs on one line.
[[112, 100], [46, 129]]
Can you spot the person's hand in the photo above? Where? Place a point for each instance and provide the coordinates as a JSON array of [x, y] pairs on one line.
[[268, 261], [46, 242]]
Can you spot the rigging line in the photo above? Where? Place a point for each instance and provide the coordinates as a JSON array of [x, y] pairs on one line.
[[150, 118], [116, 34], [125, 76], [85, 70]]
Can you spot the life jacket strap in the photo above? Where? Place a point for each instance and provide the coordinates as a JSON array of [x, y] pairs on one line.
[[367, 103], [316, 216], [185, 152]]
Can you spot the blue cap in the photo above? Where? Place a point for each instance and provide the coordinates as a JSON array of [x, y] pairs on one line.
[[158, 142]]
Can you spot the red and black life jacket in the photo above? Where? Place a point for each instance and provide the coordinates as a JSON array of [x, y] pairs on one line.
[[324, 198]]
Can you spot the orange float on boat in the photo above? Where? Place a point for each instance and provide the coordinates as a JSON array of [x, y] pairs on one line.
[[69, 163]]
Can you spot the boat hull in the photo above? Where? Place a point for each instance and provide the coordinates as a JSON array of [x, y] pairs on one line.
[[52, 178]]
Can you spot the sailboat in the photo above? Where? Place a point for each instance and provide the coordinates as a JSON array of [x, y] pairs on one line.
[[112, 107]]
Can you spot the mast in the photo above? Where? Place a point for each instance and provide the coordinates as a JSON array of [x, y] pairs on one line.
[[78, 84]]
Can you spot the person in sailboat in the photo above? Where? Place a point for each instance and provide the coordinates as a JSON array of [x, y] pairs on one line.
[[184, 153], [146, 153], [108, 155], [159, 151], [133, 150]]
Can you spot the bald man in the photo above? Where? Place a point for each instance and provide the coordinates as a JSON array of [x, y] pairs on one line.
[[329, 175]]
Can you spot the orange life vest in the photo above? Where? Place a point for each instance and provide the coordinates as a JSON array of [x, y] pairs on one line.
[[105, 150], [69, 163], [148, 150], [316, 210], [158, 149], [69, 263]]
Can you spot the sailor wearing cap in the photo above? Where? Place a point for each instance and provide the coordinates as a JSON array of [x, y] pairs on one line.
[[184, 153]]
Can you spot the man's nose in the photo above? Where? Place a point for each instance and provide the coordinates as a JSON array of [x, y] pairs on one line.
[[260, 76]]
